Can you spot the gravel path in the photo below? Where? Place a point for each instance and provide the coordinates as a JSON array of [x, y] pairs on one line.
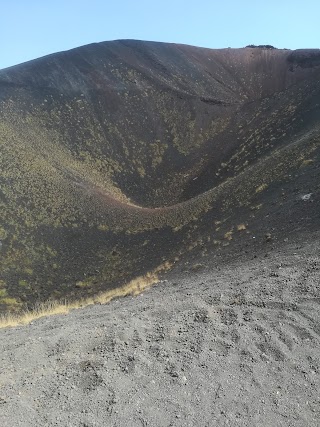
[[236, 345]]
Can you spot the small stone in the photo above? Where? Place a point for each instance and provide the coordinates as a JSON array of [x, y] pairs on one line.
[[268, 237]]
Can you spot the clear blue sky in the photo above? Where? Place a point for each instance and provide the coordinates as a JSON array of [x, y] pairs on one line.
[[33, 28]]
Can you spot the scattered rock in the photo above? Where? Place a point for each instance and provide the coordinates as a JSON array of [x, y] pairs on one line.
[[268, 237], [306, 197]]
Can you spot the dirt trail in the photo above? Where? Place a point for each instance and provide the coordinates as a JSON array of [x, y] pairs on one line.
[[234, 345]]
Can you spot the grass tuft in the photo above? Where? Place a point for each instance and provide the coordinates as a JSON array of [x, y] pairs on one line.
[[307, 162], [51, 307], [261, 188], [241, 227]]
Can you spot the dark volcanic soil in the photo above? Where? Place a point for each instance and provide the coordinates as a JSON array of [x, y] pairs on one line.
[[234, 344], [120, 156]]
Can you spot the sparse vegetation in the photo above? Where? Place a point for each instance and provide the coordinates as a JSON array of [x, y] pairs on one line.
[[82, 177], [197, 266], [256, 207], [261, 188], [51, 307], [228, 235], [307, 162], [241, 227]]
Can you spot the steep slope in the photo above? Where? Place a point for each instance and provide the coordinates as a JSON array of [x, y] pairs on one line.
[[119, 156]]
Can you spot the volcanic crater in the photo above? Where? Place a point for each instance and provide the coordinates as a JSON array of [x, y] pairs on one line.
[[119, 157]]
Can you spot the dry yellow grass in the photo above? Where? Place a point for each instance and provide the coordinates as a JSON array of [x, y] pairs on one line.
[[228, 235], [47, 308], [307, 162], [241, 227], [261, 188], [50, 308]]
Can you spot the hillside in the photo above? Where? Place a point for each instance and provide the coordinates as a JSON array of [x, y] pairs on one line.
[[121, 157]]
